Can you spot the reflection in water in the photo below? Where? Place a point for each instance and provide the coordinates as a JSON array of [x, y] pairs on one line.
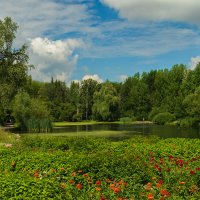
[[139, 129]]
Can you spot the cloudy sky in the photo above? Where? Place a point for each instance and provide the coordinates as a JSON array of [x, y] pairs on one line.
[[105, 39]]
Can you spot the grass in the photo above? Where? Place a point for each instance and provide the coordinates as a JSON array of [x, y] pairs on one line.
[[6, 137], [101, 133], [62, 124], [89, 168]]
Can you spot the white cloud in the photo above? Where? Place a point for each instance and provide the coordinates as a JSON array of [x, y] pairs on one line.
[[54, 58], [157, 10], [93, 77], [194, 61], [122, 77]]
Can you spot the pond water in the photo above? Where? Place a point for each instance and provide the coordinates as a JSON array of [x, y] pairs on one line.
[[128, 130]]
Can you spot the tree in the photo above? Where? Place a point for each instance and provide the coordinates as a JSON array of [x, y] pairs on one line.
[[106, 103], [13, 66], [29, 113], [88, 87]]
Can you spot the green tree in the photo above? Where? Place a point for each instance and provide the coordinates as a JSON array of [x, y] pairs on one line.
[[13, 66], [106, 103], [88, 87]]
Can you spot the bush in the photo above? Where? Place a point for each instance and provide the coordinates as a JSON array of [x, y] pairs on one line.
[[127, 119], [189, 122], [163, 118]]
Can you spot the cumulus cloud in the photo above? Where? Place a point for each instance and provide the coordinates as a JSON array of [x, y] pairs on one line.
[[157, 10], [54, 58], [93, 77], [194, 61]]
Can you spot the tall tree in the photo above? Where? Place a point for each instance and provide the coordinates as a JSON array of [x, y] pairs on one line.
[[13, 66]]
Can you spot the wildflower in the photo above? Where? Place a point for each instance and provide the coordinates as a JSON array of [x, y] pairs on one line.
[[108, 180], [85, 175], [157, 167], [179, 163], [148, 186], [160, 182], [192, 172], [80, 171], [98, 189], [71, 182], [62, 168], [98, 182], [150, 196], [158, 185], [79, 186], [165, 193], [117, 189], [36, 174], [181, 182], [73, 173], [198, 169], [112, 186]]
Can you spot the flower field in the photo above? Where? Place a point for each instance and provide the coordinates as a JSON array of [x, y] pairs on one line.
[[48, 167]]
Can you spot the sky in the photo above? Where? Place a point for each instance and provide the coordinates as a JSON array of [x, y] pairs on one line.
[[105, 39]]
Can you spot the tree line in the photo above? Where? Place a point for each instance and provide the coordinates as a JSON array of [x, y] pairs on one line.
[[163, 96]]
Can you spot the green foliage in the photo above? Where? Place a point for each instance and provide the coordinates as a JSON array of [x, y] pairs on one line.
[[13, 67], [127, 119], [86, 168], [106, 103], [163, 118], [31, 114], [189, 122]]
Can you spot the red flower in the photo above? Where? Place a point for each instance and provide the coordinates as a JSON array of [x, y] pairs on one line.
[[181, 183], [98, 182], [179, 162], [192, 172], [165, 193], [62, 168], [150, 196], [160, 182], [79, 186]]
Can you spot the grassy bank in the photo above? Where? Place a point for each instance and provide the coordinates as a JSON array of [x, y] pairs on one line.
[[43, 167], [61, 124]]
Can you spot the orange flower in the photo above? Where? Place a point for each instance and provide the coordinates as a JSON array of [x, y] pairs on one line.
[[117, 189], [158, 185], [112, 186], [79, 186], [71, 181], [98, 189], [62, 168], [85, 175], [165, 193], [108, 180], [182, 183], [73, 173], [150, 196], [148, 186]]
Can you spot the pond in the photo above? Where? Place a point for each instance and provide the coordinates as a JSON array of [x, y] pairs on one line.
[[128, 130]]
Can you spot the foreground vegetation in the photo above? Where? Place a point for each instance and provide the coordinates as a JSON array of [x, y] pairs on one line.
[[38, 167]]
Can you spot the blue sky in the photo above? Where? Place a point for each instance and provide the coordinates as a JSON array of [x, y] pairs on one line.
[[105, 39]]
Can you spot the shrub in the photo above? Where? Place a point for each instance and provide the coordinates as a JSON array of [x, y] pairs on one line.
[[163, 118], [189, 122]]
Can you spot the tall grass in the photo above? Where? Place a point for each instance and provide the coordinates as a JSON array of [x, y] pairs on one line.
[[7, 137], [39, 125]]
